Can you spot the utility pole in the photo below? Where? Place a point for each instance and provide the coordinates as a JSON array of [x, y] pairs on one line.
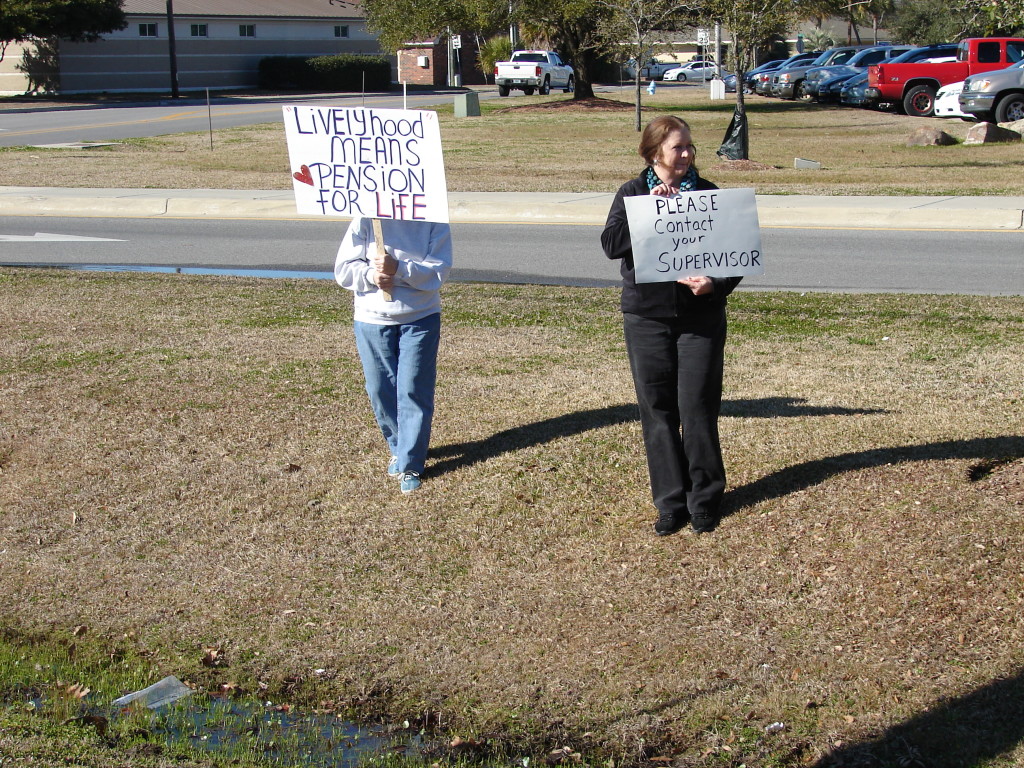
[[718, 48], [171, 49]]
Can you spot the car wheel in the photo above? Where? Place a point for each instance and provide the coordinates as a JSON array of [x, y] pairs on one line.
[[503, 90], [919, 101], [570, 87], [545, 89], [1011, 108], [528, 90], [802, 93]]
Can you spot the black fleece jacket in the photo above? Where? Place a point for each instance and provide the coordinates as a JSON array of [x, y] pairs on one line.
[[669, 299]]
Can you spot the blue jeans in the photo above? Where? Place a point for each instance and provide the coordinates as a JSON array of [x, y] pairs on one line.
[[400, 366]]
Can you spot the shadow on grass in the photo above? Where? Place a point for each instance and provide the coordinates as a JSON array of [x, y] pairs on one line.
[[972, 729], [458, 455], [780, 407], [809, 473], [455, 456]]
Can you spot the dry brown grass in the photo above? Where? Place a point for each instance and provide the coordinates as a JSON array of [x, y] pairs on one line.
[[523, 144], [192, 461]]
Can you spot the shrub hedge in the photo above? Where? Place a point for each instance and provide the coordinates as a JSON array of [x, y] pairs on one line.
[[342, 72]]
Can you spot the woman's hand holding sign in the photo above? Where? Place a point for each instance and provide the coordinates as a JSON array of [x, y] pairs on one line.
[[665, 190], [700, 285], [385, 266]]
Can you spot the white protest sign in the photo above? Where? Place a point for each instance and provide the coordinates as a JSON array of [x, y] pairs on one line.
[[712, 232], [379, 163]]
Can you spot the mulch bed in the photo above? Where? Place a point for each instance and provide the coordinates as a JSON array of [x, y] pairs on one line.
[[743, 165], [591, 104]]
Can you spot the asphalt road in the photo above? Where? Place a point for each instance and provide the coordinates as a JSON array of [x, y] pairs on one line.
[[42, 125], [844, 260], [39, 127]]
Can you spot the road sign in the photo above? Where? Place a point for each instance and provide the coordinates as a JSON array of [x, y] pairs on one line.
[[703, 37], [456, 41]]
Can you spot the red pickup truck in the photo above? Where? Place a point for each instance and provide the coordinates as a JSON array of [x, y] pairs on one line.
[[912, 86]]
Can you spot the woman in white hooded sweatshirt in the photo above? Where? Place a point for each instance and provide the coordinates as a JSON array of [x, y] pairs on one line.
[[397, 323]]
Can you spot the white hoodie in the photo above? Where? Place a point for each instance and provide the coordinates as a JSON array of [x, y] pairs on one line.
[[424, 253]]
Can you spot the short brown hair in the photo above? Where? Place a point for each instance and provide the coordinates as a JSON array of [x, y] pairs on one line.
[[655, 134]]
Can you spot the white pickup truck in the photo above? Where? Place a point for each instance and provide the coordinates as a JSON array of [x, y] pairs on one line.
[[530, 71]]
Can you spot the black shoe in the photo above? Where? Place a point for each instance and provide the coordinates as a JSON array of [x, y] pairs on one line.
[[704, 523], [668, 523]]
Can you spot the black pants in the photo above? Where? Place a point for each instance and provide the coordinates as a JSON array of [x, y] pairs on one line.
[[677, 369]]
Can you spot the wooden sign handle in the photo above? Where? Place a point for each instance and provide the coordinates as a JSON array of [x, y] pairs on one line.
[[378, 237]]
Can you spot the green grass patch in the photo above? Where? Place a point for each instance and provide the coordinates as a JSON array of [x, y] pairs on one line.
[[863, 152], [199, 481]]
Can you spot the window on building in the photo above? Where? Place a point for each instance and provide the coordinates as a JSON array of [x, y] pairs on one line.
[[147, 30], [341, 31], [247, 30], [199, 30]]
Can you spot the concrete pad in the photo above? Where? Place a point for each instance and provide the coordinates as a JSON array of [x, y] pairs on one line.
[[76, 145]]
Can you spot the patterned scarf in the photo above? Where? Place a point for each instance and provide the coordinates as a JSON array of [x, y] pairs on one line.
[[687, 184]]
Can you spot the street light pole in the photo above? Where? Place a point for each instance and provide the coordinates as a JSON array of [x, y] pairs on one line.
[[171, 49]]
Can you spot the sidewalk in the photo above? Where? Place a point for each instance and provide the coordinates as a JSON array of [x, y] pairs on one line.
[[998, 213]]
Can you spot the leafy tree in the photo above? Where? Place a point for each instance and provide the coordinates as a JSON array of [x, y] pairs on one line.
[[77, 20], [630, 27], [399, 22], [926, 22], [861, 12], [751, 24], [572, 28], [943, 21], [818, 40], [986, 18], [491, 51], [568, 26]]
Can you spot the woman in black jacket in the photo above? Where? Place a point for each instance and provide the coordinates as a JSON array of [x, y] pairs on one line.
[[675, 339]]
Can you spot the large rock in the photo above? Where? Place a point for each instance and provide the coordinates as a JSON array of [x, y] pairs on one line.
[[990, 133], [929, 136], [1016, 126]]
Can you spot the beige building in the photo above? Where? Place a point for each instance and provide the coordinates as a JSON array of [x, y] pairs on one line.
[[218, 44]]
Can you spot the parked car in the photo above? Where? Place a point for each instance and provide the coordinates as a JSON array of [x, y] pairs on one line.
[[763, 81], [652, 70], [912, 86], [749, 77], [947, 101], [822, 83], [995, 95], [932, 53], [692, 70], [533, 70], [787, 80], [853, 90]]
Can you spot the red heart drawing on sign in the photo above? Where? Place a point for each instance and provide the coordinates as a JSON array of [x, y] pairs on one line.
[[304, 175]]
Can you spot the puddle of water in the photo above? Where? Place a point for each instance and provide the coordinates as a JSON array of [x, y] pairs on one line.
[[278, 273], [320, 740]]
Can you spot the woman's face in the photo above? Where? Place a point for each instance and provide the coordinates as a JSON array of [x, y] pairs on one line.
[[675, 155]]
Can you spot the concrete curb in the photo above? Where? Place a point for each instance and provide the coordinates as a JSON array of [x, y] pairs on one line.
[[971, 213]]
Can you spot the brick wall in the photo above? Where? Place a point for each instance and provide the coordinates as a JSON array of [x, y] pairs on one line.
[[412, 72]]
